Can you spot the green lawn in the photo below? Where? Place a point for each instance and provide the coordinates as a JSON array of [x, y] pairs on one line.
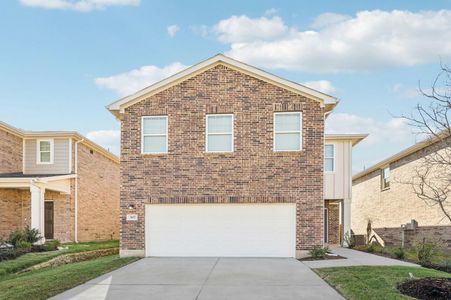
[[42, 284], [373, 282], [30, 259]]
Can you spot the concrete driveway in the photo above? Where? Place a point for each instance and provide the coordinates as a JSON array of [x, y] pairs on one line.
[[207, 278]]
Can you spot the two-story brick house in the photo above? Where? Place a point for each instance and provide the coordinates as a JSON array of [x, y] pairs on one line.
[[58, 182], [224, 159]]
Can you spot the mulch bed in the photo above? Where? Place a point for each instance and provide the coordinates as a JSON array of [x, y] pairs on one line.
[[327, 257], [427, 288]]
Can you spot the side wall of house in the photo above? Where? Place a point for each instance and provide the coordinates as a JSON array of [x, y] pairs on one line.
[[253, 173], [98, 196], [396, 205], [337, 184], [10, 152], [61, 154]]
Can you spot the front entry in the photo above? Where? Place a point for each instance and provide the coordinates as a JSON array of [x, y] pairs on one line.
[[48, 220]]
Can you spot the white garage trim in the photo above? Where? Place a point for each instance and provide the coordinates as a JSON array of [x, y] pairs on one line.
[[228, 230]]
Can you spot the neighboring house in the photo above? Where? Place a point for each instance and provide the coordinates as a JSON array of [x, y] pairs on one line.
[[382, 196], [224, 159], [58, 182]]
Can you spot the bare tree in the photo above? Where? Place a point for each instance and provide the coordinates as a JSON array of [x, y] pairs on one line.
[[431, 119]]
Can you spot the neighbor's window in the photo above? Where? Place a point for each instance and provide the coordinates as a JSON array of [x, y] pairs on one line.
[[385, 178], [329, 156], [154, 134], [287, 131], [219, 136], [45, 151]]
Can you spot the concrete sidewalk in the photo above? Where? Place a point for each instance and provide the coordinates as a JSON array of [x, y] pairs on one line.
[[356, 258], [207, 278]]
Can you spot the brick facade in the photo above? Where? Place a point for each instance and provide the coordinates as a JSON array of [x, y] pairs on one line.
[[98, 196], [397, 205], [333, 208], [10, 152], [392, 236], [253, 173]]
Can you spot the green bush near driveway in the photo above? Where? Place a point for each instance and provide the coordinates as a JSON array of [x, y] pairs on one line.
[[373, 282], [46, 283]]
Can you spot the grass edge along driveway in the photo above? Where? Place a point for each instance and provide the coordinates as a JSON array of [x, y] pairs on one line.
[[45, 283], [34, 258], [373, 282]]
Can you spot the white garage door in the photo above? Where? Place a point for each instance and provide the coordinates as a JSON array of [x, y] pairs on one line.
[[239, 230]]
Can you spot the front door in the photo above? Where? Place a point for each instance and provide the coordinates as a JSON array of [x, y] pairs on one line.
[[48, 220]]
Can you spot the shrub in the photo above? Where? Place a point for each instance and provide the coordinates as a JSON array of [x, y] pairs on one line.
[[426, 248], [10, 253], [399, 253], [16, 236], [349, 240], [51, 245], [24, 246], [32, 235], [318, 252], [26, 235]]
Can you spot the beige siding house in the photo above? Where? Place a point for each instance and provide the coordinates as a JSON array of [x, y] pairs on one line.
[[60, 183], [382, 197], [224, 159], [337, 184]]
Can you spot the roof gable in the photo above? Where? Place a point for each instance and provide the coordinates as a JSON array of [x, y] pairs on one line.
[[118, 107]]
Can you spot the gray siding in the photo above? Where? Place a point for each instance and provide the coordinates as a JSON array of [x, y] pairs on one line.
[[60, 159], [337, 184]]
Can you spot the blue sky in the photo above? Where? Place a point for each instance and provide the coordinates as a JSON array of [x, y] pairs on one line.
[[62, 61]]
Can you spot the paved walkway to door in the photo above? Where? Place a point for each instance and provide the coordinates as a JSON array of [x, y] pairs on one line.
[[207, 278], [356, 258]]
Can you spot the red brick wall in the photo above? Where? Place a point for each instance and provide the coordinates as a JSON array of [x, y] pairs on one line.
[[252, 173], [62, 215], [10, 152], [98, 196], [13, 207], [333, 208]]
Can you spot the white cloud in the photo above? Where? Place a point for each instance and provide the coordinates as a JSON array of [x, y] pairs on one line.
[[132, 81], [108, 139], [394, 131], [80, 5], [241, 29], [328, 19], [172, 30], [369, 40], [270, 12], [324, 86]]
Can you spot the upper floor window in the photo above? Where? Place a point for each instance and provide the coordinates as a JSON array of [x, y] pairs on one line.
[[154, 134], [287, 131], [219, 135], [44, 151], [385, 178], [329, 157]]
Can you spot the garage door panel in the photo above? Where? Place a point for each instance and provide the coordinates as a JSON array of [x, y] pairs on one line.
[[247, 230]]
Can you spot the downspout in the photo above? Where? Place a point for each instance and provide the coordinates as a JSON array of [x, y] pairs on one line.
[[76, 192]]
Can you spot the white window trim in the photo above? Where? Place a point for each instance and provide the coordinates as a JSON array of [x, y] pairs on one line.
[[38, 151], [219, 133], [153, 134], [383, 188], [274, 131], [333, 157]]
